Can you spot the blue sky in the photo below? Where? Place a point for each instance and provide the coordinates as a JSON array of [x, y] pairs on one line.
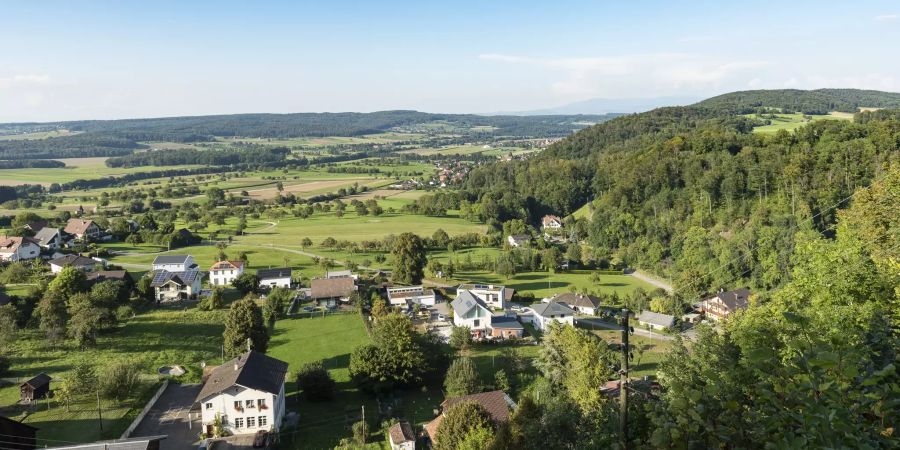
[[84, 60]]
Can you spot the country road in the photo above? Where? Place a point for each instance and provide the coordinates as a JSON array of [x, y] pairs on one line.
[[652, 280]]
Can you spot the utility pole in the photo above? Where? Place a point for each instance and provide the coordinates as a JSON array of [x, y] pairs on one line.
[[99, 412], [623, 381]]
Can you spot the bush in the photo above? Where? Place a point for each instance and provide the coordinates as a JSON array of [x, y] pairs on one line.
[[124, 313], [315, 382], [119, 379], [5, 364]]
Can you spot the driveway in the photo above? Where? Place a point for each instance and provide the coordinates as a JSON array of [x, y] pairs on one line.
[[169, 416]]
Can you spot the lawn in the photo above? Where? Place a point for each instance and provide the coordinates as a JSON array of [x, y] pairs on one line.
[[76, 168], [545, 284], [791, 122]]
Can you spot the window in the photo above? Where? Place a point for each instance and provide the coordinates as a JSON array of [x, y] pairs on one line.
[[237, 405], [249, 403], [251, 422], [239, 422], [262, 421], [209, 406], [476, 322], [262, 403]]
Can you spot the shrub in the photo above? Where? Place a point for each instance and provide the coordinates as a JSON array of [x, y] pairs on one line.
[[119, 379], [315, 382]]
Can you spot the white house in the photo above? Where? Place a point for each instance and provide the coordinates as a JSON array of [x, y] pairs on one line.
[[470, 311], [271, 278], [49, 238], [404, 295], [246, 393], [174, 263], [551, 222], [402, 437], [544, 313], [724, 304], [655, 321], [224, 272], [494, 296], [584, 304], [18, 249], [79, 262], [175, 286], [83, 229], [518, 240]]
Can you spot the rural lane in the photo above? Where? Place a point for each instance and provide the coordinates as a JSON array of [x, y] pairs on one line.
[[651, 280]]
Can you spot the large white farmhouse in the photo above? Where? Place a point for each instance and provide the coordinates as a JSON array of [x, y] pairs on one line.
[[246, 393], [494, 296], [224, 272]]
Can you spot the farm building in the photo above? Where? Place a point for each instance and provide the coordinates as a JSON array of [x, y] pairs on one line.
[[330, 291], [35, 388], [655, 321], [17, 435]]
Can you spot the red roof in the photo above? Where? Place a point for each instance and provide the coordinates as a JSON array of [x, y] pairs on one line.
[[222, 265]]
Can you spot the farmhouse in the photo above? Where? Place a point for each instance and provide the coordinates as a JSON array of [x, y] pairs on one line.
[[174, 263], [329, 291], [551, 222], [518, 240], [496, 403], [35, 388], [49, 238], [402, 437], [724, 304], [655, 321], [270, 278], [494, 296], [405, 295], [584, 304], [17, 435], [79, 262], [85, 230], [544, 313], [16, 248], [175, 286], [247, 393], [224, 272]]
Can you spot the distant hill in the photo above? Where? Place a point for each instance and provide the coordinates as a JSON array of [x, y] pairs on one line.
[[819, 101], [611, 105]]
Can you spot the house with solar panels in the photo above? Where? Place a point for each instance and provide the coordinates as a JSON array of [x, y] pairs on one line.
[[176, 286], [174, 263]]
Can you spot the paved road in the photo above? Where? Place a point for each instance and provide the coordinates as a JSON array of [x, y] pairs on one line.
[[651, 280], [169, 416], [637, 331]]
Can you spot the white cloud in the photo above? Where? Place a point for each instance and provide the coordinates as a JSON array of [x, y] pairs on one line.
[[636, 75], [887, 17], [24, 80]]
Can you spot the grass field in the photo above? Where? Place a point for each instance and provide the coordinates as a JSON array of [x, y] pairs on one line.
[[37, 135], [380, 138], [76, 168], [791, 122], [545, 284]]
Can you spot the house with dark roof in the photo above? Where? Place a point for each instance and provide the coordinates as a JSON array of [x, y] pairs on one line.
[[223, 273], [330, 291], [15, 248], [49, 238], [470, 311], [405, 295], [271, 278], [17, 435], [35, 388], [518, 240], [174, 263], [506, 327], [135, 443], [496, 403], [584, 304], [246, 393], [401, 436], [724, 304], [79, 262], [36, 226], [109, 275], [176, 286], [544, 313], [83, 229], [655, 321]]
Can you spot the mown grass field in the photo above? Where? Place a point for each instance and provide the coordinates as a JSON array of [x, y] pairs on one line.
[[76, 168], [545, 284], [790, 122]]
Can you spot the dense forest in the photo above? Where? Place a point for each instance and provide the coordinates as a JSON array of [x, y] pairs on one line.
[[691, 193], [226, 157], [76, 146], [819, 101]]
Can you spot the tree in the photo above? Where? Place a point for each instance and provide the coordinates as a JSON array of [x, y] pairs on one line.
[[52, 313], [119, 379], [306, 242], [245, 322], [395, 357], [440, 238], [213, 301], [67, 282], [276, 304], [501, 380], [246, 283], [315, 382], [506, 265], [460, 337], [8, 326], [462, 378], [64, 393], [379, 307], [84, 324], [461, 420], [409, 259]]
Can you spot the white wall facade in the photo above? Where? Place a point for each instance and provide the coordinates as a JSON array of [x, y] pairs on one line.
[[541, 322], [23, 252], [493, 296], [284, 282], [223, 277], [476, 319], [249, 418], [180, 267]]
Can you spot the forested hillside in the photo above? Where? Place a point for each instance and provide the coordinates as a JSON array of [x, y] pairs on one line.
[[691, 193], [819, 101]]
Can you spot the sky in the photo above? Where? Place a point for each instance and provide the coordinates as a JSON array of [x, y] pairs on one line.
[[109, 60]]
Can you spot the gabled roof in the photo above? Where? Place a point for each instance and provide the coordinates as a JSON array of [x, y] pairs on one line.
[[552, 308], [46, 234], [736, 299], [550, 218], [78, 226], [401, 432], [74, 260], [104, 275], [171, 259], [252, 370], [137, 443], [497, 404], [663, 320], [465, 301], [283, 272], [37, 225], [39, 380], [12, 243], [331, 287], [161, 277], [572, 299], [226, 265]]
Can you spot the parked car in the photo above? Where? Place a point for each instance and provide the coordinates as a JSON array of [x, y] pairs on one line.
[[442, 317], [515, 307], [261, 439]]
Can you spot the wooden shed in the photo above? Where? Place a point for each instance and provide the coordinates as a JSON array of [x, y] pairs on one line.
[[16, 435], [35, 388]]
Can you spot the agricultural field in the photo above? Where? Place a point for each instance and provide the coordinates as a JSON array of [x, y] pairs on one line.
[[380, 138], [76, 168], [545, 284], [790, 122], [37, 135]]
